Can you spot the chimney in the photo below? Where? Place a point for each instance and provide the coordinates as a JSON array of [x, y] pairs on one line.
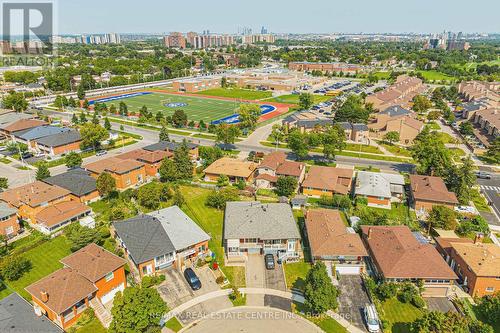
[[479, 238], [44, 296], [369, 233]]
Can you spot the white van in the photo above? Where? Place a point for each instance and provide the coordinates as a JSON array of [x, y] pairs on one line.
[[371, 317]]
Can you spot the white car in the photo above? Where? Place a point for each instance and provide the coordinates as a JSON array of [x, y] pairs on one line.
[[371, 317]]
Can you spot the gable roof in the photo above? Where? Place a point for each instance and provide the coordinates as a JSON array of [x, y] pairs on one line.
[[328, 236], [395, 111], [17, 316], [6, 210], [93, 262], [483, 259], [23, 124], [378, 184], [273, 160], [77, 181], [113, 165], [328, 178], [40, 132], [146, 156], [277, 161], [168, 145], [398, 254], [65, 287], [11, 117], [33, 194], [60, 139], [256, 220], [431, 188], [231, 167], [61, 212]]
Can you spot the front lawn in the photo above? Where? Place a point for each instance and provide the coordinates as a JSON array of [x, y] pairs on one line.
[[434, 126], [236, 93], [173, 324], [211, 221], [399, 315], [94, 326], [44, 260], [396, 150], [363, 148], [323, 321], [479, 201], [398, 212], [295, 274]]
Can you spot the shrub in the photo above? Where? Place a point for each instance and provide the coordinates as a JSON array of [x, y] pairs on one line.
[[386, 290], [152, 280], [218, 198], [361, 201], [220, 279], [13, 268], [418, 301], [407, 292]]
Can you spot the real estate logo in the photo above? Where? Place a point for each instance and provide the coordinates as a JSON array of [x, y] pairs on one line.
[[27, 32]]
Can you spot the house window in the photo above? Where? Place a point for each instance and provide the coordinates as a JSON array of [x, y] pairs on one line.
[[490, 289], [109, 276]]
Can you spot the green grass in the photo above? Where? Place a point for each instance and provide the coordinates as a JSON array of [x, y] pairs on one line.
[[382, 75], [44, 259], [236, 93], [445, 137], [363, 148], [211, 221], [294, 99], [399, 315], [397, 212], [5, 160], [295, 274], [396, 150], [457, 154], [363, 168], [434, 126], [479, 201], [325, 322], [93, 326], [433, 75], [204, 136], [174, 324]]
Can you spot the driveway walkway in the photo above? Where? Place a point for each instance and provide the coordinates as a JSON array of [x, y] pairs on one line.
[[352, 299], [255, 278]]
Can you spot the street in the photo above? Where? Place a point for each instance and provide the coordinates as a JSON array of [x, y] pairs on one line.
[[491, 190]]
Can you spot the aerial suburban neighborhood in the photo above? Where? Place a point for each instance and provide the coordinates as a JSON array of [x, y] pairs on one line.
[[288, 174]]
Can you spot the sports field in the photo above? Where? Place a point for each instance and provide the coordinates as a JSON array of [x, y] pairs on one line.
[[196, 107]]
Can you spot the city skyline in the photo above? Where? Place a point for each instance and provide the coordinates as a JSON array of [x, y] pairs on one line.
[[322, 17]]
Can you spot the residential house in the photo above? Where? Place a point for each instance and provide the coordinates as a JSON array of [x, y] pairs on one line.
[[356, 132], [60, 143], [469, 109], [481, 90], [21, 125], [322, 180], [235, 169], [477, 265], [161, 239], [90, 277], [79, 182], [171, 146], [429, 191], [396, 119], [151, 159], [257, 228], [276, 165], [488, 121], [299, 201], [127, 173], [31, 198], [379, 188], [398, 256], [29, 136], [399, 93], [332, 242], [9, 225], [58, 215], [18, 317]]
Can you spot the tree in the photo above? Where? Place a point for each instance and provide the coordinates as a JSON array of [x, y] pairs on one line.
[[13, 268], [15, 101], [92, 135], [353, 110], [286, 185], [80, 236], [112, 109], [4, 183], [80, 93], [74, 119], [391, 137], [223, 82], [178, 198], [277, 134], [249, 114], [218, 198], [489, 308], [182, 161], [95, 118], [227, 134], [149, 195], [105, 184], [494, 150], [319, 292], [460, 180], [168, 171], [86, 104], [73, 160], [179, 118], [163, 136], [137, 310], [430, 153], [449, 322], [466, 128], [222, 181], [442, 217], [421, 104], [83, 118], [298, 143], [209, 154], [42, 171], [333, 139], [202, 126], [123, 108], [107, 124], [306, 100]]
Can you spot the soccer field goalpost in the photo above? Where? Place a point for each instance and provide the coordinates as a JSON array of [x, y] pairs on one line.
[[165, 101]]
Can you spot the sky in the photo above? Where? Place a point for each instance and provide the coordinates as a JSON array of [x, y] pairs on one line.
[[279, 16]]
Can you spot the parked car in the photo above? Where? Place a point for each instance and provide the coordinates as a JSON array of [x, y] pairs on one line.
[[27, 155], [101, 153], [192, 279], [483, 175], [371, 317], [269, 261]]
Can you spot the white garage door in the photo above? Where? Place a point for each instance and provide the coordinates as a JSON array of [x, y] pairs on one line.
[[109, 296], [348, 270]]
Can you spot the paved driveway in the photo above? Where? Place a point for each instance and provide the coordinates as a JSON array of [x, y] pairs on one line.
[[441, 304], [352, 299]]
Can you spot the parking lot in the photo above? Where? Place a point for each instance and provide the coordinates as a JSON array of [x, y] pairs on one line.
[[352, 300], [176, 291]]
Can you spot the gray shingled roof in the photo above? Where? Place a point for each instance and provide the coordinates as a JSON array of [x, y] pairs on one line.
[[144, 237], [395, 111], [18, 316], [167, 145], [60, 139], [379, 184], [256, 220], [6, 210], [40, 132], [77, 181], [8, 118]]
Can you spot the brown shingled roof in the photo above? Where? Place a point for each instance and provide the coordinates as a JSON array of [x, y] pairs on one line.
[[231, 167], [114, 165], [64, 287], [431, 188], [93, 262], [328, 178], [398, 254], [23, 124], [328, 235], [290, 168], [273, 160], [33, 194], [61, 212], [483, 259], [146, 156]]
